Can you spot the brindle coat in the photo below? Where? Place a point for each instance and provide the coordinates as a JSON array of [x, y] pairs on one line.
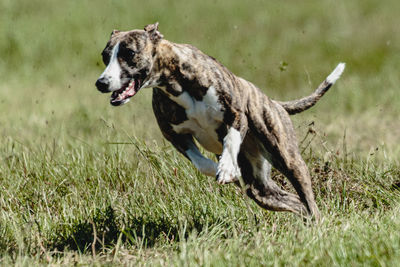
[[267, 136]]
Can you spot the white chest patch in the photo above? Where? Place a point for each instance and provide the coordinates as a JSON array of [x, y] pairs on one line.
[[204, 118]]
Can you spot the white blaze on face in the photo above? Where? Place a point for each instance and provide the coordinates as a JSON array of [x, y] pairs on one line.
[[113, 70]]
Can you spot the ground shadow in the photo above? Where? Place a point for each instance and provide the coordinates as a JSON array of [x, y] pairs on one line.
[[105, 225]]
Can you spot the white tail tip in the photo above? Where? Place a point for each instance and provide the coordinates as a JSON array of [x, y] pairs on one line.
[[335, 75]]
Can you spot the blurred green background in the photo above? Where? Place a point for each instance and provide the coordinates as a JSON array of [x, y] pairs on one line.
[[50, 59]]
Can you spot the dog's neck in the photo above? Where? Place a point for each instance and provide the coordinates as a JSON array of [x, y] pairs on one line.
[[179, 67], [169, 57], [163, 59]]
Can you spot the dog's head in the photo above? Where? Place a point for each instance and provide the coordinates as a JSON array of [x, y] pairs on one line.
[[129, 59]]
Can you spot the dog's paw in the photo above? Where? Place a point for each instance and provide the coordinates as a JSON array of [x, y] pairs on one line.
[[227, 172]]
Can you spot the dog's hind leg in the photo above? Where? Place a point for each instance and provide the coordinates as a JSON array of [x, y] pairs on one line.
[[259, 186], [274, 129]]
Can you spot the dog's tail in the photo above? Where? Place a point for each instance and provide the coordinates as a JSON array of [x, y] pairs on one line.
[[299, 105]]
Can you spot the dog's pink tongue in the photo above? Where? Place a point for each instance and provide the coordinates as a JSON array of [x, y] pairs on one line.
[[128, 92]]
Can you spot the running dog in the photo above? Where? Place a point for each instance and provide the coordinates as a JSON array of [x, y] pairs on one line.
[[197, 98]]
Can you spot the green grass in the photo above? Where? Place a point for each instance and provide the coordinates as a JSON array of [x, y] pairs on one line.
[[83, 183]]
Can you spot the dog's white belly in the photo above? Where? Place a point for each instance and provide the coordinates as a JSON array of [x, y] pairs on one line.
[[204, 118]]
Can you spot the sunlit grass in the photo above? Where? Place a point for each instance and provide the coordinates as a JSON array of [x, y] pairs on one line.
[[86, 183]]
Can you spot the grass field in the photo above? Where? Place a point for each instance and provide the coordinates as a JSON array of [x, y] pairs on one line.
[[82, 182]]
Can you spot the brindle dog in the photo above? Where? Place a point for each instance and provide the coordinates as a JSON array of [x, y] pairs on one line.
[[196, 97]]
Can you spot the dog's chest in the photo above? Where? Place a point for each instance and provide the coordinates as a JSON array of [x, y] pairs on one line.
[[204, 118]]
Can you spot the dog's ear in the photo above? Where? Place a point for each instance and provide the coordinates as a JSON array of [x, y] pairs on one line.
[[152, 30], [114, 32]]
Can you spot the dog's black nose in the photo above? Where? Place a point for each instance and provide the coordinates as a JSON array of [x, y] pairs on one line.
[[102, 85]]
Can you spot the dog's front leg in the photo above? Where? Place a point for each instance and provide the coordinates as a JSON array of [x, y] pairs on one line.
[[204, 165], [184, 143], [228, 169]]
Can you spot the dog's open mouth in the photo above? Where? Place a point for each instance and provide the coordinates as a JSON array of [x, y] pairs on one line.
[[128, 90]]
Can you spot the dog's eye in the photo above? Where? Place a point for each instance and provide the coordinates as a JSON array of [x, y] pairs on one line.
[[126, 53], [106, 58]]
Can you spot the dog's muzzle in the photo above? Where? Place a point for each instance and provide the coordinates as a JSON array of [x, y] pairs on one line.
[[122, 95]]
